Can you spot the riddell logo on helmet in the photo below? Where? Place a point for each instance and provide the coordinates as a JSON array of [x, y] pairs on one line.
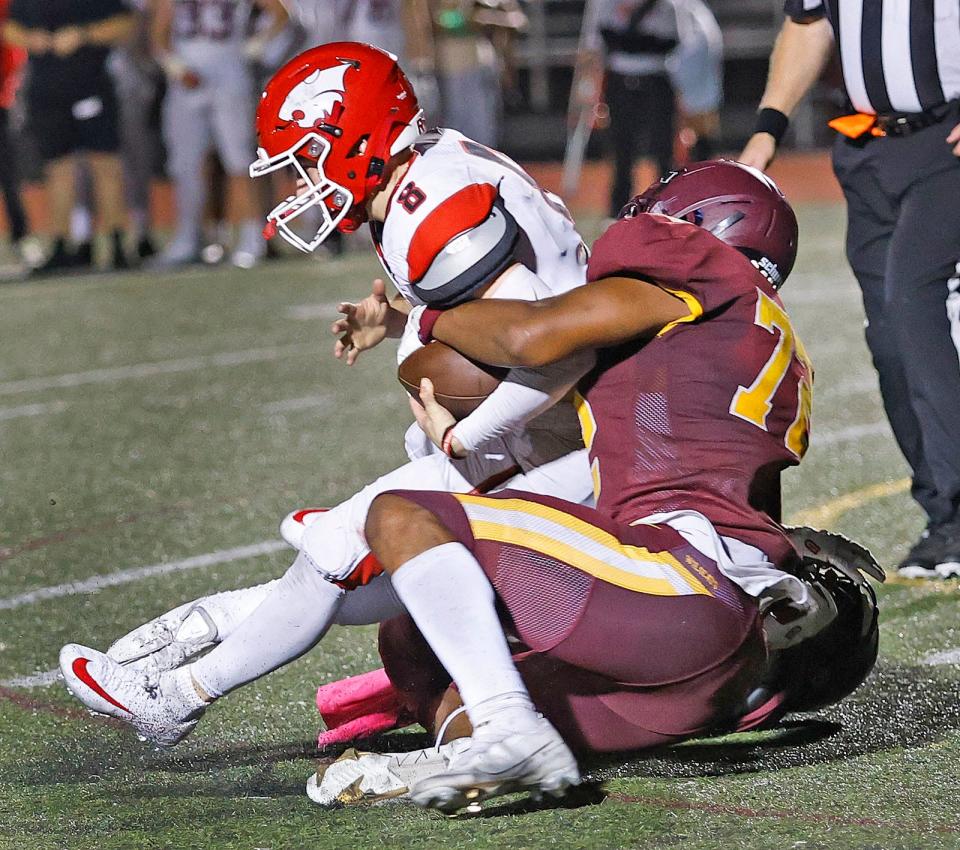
[[313, 99], [768, 269]]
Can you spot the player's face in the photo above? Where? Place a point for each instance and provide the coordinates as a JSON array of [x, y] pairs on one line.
[[303, 186]]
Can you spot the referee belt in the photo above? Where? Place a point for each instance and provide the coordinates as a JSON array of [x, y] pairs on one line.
[[862, 125]]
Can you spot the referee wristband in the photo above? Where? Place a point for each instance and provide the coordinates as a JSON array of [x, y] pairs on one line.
[[771, 121], [428, 318]]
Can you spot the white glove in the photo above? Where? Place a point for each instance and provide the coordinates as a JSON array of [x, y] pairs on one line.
[[846, 555]]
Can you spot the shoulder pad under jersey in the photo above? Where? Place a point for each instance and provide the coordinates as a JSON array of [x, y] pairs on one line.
[[427, 140], [470, 259]]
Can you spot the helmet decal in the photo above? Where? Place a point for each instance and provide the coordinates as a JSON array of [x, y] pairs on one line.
[[314, 99]]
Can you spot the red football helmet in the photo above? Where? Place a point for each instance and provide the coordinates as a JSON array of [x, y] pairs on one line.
[[736, 203], [343, 108]]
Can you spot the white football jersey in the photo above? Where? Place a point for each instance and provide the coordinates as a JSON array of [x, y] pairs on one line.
[[376, 22], [208, 35], [449, 183]]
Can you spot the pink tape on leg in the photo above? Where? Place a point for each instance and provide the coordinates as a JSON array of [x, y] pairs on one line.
[[358, 707]]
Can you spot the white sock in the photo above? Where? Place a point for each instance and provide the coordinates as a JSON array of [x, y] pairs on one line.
[[453, 604], [178, 688], [291, 620], [229, 608]]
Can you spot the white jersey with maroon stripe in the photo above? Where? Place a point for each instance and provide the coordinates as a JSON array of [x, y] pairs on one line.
[[209, 35], [376, 22], [452, 183]]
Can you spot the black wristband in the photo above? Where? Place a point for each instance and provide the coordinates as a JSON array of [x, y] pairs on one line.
[[771, 121]]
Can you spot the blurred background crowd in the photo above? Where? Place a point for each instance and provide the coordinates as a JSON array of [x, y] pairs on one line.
[[126, 126]]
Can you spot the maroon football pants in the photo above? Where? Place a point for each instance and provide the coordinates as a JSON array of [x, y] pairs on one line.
[[627, 637]]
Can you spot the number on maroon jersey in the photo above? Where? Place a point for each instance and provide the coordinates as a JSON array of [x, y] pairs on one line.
[[411, 197], [754, 403]]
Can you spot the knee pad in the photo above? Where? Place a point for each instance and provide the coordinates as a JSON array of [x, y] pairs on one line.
[[338, 551], [295, 523]]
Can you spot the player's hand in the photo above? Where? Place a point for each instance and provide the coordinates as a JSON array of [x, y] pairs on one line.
[[254, 47], [846, 555], [954, 139], [39, 41], [432, 417], [190, 79], [363, 325], [67, 40], [759, 151]]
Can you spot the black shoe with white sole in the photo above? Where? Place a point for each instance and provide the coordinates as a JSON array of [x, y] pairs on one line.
[[936, 554]]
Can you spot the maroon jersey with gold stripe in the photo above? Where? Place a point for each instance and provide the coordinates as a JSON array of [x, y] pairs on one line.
[[705, 415]]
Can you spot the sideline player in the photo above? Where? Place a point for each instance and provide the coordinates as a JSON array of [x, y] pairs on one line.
[[448, 218], [206, 52], [656, 598]]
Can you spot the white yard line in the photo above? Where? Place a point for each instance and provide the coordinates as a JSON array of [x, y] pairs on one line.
[[290, 405], [97, 583], [810, 297], [947, 656], [854, 386], [146, 370], [38, 680], [32, 410], [312, 312], [854, 432]]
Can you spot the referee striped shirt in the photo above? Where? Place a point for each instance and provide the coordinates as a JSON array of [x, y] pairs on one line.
[[896, 55]]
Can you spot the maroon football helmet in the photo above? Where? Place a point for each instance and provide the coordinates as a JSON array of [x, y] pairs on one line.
[[825, 668], [736, 203]]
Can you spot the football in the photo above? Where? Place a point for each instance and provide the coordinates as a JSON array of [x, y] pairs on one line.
[[460, 384]]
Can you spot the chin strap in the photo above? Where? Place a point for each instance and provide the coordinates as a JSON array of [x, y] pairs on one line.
[[377, 156]]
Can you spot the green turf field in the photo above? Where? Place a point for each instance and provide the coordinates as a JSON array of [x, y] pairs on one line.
[[147, 420]]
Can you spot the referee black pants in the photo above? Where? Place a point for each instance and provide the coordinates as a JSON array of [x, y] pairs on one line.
[[641, 121], [903, 244]]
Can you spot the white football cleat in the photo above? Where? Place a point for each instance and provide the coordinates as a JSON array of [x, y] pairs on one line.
[[359, 777], [167, 641], [161, 710], [501, 761], [295, 523], [180, 635]]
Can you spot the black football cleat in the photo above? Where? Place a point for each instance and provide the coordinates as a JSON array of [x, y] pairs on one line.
[[936, 554]]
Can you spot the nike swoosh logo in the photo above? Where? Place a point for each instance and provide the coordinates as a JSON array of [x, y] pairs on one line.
[[300, 516], [81, 672]]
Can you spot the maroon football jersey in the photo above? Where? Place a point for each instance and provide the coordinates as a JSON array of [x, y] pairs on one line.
[[705, 415]]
